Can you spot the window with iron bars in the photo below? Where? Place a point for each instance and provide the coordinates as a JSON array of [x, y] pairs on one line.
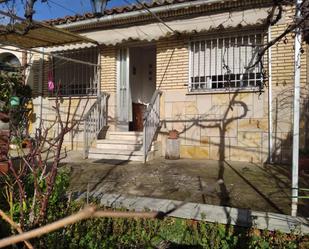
[[73, 78], [225, 62]]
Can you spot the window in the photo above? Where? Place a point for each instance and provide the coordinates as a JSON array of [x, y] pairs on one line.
[[75, 78], [225, 62]]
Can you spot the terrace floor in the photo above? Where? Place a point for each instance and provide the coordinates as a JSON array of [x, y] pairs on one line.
[[236, 184]]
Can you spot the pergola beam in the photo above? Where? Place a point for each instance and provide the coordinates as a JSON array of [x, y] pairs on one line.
[[49, 54], [39, 34]]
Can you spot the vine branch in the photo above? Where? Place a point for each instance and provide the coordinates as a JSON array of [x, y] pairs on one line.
[[86, 213]]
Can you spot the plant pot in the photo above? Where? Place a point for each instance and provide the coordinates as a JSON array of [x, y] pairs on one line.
[[4, 167], [172, 149], [173, 134]]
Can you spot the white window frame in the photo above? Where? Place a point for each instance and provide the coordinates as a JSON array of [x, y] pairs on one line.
[[229, 81]]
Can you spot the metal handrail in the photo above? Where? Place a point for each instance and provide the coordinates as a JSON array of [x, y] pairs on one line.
[[151, 122], [94, 121]]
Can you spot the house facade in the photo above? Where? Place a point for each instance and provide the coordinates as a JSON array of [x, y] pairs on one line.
[[190, 66]]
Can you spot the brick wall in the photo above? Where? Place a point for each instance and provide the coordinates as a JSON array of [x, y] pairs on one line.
[[108, 80], [283, 87], [172, 64], [108, 68]]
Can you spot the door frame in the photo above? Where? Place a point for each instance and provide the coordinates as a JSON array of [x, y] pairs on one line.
[[124, 112], [123, 119]]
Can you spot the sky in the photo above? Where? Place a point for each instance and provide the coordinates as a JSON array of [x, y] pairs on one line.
[[60, 8]]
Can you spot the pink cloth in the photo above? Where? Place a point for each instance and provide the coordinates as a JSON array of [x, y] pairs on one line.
[[51, 85]]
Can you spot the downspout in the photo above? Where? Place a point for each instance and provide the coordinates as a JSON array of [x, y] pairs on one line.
[[138, 13], [270, 114], [295, 158], [99, 73], [41, 79]]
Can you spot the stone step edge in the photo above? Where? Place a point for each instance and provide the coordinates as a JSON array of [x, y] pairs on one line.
[[118, 141], [125, 133], [136, 158], [117, 152], [206, 212]]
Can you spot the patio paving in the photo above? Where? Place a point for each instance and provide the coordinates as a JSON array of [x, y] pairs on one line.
[[235, 184]]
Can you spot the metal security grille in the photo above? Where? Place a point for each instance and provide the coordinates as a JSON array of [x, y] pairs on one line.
[[225, 62], [75, 79]]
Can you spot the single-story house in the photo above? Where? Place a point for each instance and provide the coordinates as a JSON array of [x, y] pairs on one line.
[[176, 65]]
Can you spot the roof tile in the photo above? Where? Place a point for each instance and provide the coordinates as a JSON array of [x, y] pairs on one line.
[[117, 10]]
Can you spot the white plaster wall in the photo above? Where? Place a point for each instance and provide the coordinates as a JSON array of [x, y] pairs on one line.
[[17, 54]]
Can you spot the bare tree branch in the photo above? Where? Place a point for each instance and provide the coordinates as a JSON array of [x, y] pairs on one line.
[[15, 226], [86, 213]]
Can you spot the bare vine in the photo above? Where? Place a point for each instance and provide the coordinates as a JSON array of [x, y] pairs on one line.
[[28, 14], [37, 161], [274, 17]]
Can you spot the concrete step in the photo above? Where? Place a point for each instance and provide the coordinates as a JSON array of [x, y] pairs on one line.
[[123, 144], [125, 155], [117, 152], [125, 135], [118, 145]]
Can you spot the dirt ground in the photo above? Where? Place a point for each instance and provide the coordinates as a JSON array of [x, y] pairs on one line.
[[236, 184]]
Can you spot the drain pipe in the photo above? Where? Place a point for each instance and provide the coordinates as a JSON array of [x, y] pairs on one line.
[[270, 114], [297, 54], [41, 89]]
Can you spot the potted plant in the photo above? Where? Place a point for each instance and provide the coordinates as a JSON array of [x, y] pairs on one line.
[[173, 134], [14, 96], [4, 167]]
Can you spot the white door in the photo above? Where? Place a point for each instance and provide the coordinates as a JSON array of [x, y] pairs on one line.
[[124, 101]]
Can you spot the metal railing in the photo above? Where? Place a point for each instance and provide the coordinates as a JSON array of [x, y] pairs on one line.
[[94, 121], [151, 122]]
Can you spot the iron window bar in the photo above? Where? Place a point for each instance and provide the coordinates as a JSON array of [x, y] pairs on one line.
[[75, 79], [225, 62]]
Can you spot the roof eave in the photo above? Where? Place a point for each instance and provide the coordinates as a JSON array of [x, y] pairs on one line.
[[137, 13]]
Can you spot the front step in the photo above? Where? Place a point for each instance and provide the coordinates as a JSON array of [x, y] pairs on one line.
[[125, 146], [123, 155], [119, 144], [128, 135]]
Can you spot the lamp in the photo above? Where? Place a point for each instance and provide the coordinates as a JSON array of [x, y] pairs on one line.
[[98, 6]]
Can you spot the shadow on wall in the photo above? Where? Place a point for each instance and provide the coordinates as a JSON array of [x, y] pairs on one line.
[[283, 124], [218, 118], [233, 129]]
